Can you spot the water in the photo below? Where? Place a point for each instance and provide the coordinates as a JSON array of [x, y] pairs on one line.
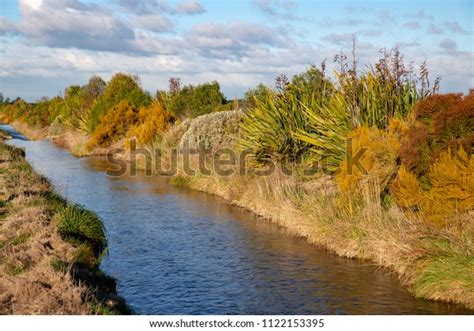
[[176, 251]]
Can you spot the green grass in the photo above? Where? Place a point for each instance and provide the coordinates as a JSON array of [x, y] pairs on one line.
[[446, 269], [15, 270], [179, 181], [20, 239], [100, 309], [59, 265], [85, 254], [78, 224]]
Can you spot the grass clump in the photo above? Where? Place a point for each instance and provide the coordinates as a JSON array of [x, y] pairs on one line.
[[20, 239], [179, 181], [16, 269], [79, 225], [446, 269]]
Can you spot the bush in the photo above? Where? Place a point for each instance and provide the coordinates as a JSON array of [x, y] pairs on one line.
[[153, 121], [269, 128], [379, 159], [114, 125], [451, 192], [122, 87], [192, 101], [251, 97], [212, 131], [439, 122]]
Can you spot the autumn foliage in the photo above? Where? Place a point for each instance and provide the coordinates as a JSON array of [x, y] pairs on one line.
[[153, 121], [379, 150], [114, 125], [451, 194], [439, 122]]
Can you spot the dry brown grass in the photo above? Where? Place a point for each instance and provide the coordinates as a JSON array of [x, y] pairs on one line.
[[32, 133], [34, 260]]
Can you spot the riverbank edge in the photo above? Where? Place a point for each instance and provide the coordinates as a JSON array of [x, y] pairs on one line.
[[72, 260], [413, 251], [415, 273]]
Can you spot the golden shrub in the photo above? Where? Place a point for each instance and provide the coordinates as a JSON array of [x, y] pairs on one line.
[[114, 125], [451, 192], [407, 189], [153, 120], [379, 160]]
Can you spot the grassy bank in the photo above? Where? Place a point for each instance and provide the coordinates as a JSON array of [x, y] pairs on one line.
[[50, 250]]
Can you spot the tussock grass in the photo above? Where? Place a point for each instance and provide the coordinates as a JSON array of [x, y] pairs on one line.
[[77, 224], [180, 181]]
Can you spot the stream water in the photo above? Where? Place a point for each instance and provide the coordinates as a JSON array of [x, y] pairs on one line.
[[176, 251]]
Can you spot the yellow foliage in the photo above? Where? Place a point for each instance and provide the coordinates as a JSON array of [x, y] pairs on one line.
[[407, 189], [153, 120], [114, 125], [451, 192], [379, 159]]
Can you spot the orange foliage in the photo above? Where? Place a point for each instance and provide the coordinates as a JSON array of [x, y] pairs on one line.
[[439, 122], [114, 125], [379, 159], [451, 192], [153, 120]]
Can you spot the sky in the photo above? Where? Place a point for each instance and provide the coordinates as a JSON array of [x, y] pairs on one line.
[[46, 45]]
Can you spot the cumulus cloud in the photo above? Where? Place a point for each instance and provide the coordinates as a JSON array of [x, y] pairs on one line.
[[71, 23], [338, 38], [143, 7], [155, 23], [412, 25], [235, 39], [407, 44], [191, 7], [455, 27], [448, 45], [283, 9], [435, 29], [149, 7]]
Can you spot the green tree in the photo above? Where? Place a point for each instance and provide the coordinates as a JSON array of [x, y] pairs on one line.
[[121, 87], [192, 101], [260, 93]]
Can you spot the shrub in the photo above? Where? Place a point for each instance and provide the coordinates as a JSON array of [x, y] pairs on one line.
[[269, 128], [251, 97], [212, 131], [122, 87], [451, 191], [379, 158], [439, 122], [192, 101], [152, 121], [114, 125]]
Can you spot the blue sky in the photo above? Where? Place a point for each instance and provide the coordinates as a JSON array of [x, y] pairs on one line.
[[49, 44]]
